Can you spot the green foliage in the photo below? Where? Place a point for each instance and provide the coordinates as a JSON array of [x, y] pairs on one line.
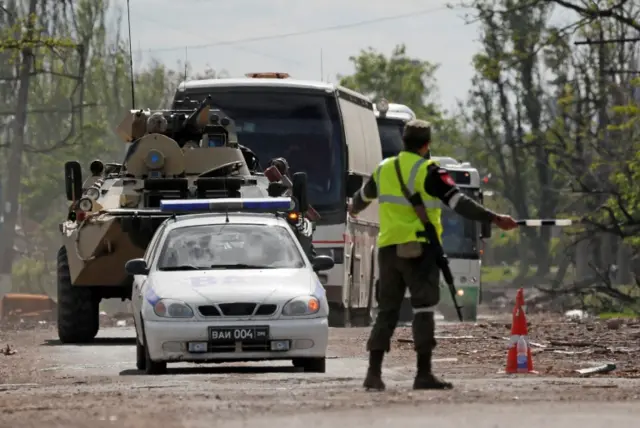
[[402, 79], [76, 99], [398, 78]]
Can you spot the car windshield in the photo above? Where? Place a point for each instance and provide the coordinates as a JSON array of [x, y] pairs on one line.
[[230, 246], [303, 127], [390, 136], [459, 236]]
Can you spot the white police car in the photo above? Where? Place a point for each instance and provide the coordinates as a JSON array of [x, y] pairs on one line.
[[228, 286]]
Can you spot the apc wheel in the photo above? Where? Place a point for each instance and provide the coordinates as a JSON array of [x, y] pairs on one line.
[[78, 311], [311, 365], [152, 367]]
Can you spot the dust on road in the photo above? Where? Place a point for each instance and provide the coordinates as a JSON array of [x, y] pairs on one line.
[[97, 385]]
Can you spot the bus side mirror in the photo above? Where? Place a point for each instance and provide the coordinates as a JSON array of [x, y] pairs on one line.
[[485, 230], [354, 183]]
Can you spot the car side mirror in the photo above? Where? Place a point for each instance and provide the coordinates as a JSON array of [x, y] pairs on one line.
[[322, 263], [485, 230], [354, 183], [137, 267]]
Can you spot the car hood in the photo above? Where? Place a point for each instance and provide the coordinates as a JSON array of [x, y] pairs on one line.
[[220, 286]]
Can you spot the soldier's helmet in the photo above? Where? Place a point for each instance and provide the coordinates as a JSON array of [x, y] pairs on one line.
[[157, 123]]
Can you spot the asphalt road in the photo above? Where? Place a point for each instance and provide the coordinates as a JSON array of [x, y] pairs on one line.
[[97, 385], [578, 415]]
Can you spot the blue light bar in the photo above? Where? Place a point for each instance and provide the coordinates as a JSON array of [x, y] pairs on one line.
[[227, 204]]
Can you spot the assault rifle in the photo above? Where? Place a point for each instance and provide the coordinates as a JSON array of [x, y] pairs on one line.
[[432, 237]]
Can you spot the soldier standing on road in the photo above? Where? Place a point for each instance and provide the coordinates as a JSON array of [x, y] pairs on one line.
[[404, 259]]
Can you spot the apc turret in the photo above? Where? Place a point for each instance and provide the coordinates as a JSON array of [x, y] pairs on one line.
[[174, 154]]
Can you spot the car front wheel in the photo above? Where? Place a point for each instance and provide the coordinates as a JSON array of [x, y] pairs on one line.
[[151, 367], [141, 357]]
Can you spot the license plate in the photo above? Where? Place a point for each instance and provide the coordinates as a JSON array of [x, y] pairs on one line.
[[239, 334]]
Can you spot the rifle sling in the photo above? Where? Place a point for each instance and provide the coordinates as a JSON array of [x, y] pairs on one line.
[[420, 210]]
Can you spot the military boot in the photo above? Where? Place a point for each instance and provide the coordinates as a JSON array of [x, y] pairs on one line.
[[424, 378], [373, 380]]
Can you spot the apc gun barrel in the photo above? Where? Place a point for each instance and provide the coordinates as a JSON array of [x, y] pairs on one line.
[[207, 102]]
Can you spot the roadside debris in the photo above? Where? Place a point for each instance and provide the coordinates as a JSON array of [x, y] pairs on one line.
[[576, 314], [604, 368], [615, 323], [8, 350], [117, 319], [27, 309]]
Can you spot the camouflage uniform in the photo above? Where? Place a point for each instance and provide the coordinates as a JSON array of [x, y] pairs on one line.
[[419, 274]]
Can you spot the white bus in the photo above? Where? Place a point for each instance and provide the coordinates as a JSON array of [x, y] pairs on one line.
[[330, 133], [391, 119]]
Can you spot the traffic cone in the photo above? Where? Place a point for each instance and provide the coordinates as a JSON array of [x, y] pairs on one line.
[[518, 330]]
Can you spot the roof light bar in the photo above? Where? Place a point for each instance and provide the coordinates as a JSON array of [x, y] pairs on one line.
[[383, 106], [227, 204]]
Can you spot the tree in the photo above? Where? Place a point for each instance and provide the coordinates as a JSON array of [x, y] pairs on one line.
[[561, 128], [398, 78], [507, 117], [31, 40], [402, 79], [75, 100]]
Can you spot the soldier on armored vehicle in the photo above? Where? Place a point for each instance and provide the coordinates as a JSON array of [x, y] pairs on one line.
[[113, 215]]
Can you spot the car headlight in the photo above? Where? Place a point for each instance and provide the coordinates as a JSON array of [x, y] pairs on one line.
[[305, 305], [167, 308]]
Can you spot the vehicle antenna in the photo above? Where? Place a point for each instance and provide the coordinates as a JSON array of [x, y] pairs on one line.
[[226, 211], [186, 59], [133, 90]]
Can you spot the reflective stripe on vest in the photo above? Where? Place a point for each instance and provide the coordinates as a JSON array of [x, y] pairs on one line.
[[398, 221]]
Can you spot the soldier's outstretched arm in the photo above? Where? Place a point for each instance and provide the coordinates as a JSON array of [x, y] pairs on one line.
[[440, 185], [363, 197]]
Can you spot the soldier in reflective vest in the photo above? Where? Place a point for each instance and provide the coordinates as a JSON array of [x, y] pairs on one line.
[[404, 259]]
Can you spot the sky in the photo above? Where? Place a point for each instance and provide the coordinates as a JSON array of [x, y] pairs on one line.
[[161, 29], [307, 39]]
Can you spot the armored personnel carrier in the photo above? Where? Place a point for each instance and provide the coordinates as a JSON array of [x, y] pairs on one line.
[[175, 154]]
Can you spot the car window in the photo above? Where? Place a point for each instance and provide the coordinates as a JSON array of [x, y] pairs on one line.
[[230, 246]]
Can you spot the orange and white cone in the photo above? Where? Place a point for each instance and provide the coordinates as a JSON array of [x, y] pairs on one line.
[[518, 332]]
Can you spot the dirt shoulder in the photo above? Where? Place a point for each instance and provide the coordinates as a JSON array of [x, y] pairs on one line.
[[57, 384]]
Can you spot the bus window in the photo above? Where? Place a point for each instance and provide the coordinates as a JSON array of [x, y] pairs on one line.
[[459, 236], [301, 126], [390, 136]]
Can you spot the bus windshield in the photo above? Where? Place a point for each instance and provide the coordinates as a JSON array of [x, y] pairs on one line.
[[301, 126], [390, 136], [459, 236]]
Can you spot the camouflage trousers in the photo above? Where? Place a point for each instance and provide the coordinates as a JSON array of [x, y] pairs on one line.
[[422, 277]]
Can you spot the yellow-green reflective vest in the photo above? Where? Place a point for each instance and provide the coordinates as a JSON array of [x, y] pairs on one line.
[[398, 220]]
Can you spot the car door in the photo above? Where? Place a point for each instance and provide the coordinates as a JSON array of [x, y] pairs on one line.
[[139, 281]]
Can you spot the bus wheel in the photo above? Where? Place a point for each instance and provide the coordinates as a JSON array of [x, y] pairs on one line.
[[360, 317], [449, 313]]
